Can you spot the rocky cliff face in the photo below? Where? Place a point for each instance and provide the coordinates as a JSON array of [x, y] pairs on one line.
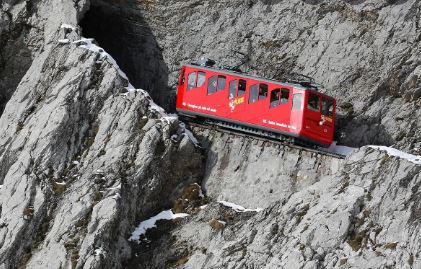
[[365, 215], [84, 156], [364, 52]]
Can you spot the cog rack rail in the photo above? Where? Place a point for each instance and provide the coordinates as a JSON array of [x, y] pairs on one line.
[[265, 136]]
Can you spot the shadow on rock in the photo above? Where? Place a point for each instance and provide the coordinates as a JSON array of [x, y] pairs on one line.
[[123, 32]]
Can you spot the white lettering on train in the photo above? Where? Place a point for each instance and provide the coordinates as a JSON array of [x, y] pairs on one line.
[[279, 124], [204, 108]]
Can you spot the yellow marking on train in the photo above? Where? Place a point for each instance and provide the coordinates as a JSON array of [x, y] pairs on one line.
[[238, 101]]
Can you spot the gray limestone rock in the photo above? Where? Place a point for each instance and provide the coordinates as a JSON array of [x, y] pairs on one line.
[[364, 215], [84, 157]]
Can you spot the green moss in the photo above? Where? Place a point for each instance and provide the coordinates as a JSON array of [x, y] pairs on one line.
[[97, 196], [58, 189]]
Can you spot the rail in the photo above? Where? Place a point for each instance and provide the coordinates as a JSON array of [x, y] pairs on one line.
[[265, 136]]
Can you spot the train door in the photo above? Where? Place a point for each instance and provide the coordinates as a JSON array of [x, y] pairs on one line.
[[195, 91], [215, 95], [328, 119], [181, 88], [258, 102], [313, 117], [236, 98], [295, 122]]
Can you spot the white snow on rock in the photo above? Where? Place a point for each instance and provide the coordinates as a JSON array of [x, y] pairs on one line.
[[394, 152], [68, 26], [99, 251], [87, 43], [151, 223], [239, 208], [64, 41], [343, 150], [170, 118]]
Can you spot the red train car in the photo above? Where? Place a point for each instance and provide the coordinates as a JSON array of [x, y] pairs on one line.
[[281, 108]]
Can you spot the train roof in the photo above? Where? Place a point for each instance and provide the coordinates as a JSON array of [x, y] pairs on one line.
[[239, 74]]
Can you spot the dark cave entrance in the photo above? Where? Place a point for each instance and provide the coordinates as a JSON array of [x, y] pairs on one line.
[[123, 32]]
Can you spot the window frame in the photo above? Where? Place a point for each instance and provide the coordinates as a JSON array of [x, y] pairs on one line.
[[253, 90], [245, 87], [214, 79], [280, 91], [188, 81], [300, 95], [217, 80], [259, 98], [197, 79], [230, 88], [328, 101]]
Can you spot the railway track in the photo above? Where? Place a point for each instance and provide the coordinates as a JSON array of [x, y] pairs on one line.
[[257, 134]]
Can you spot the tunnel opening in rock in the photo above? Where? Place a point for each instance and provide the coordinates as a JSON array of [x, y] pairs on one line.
[[123, 32]]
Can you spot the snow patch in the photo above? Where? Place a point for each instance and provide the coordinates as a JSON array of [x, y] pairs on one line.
[[203, 206], [115, 188], [64, 41], [342, 150], [151, 223], [67, 26], [239, 208], [99, 251], [1, 186], [169, 118], [397, 153], [87, 43]]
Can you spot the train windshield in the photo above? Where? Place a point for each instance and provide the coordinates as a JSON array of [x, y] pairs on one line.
[[327, 107], [313, 102]]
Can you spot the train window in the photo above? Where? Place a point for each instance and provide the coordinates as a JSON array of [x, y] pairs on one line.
[[327, 107], [263, 91], [221, 83], [278, 96], [274, 97], [233, 89], [253, 94], [212, 83], [191, 80], [182, 77], [201, 78], [242, 87], [297, 101], [284, 96], [313, 102]]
